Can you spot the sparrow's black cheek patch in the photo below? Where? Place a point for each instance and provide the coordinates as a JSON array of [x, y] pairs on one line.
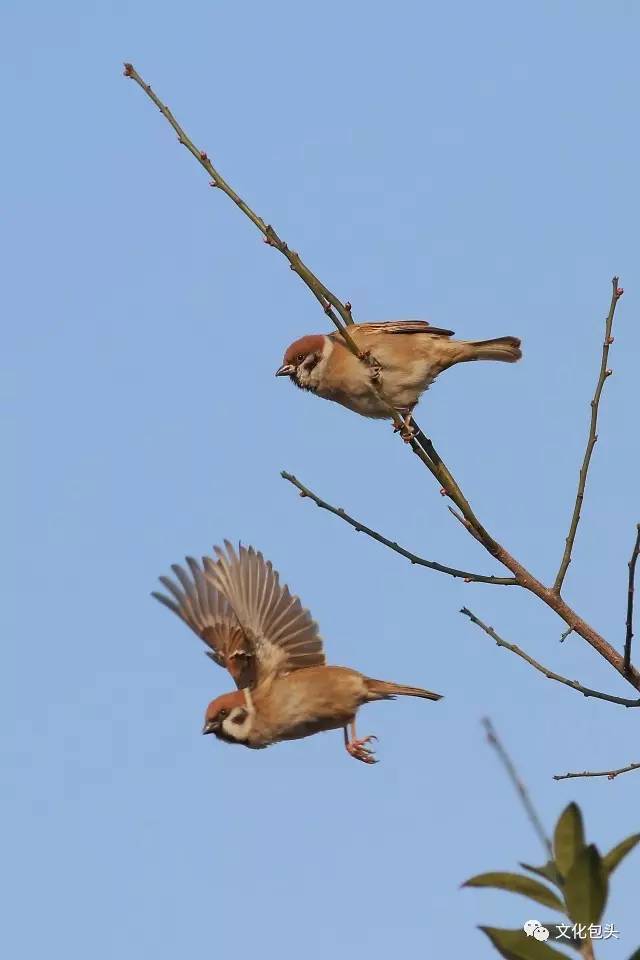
[[312, 362], [240, 717]]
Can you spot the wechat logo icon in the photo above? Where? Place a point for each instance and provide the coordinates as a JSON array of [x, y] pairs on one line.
[[533, 928]]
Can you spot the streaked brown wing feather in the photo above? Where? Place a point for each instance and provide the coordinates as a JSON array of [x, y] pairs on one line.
[[283, 634], [202, 607], [399, 326]]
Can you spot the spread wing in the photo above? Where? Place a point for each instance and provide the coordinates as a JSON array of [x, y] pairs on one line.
[[399, 326], [202, 607], [283, 635]]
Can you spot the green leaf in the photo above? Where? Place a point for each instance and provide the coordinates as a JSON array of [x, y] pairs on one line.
[[549, 871], [568, 838], [516, 945], [586, 887], [518, 883], [619, 852]]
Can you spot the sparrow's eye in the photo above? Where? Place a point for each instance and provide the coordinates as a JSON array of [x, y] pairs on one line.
[[222, 714], [299, 358]]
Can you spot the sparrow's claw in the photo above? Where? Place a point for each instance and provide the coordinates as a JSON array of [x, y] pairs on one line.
[[406, 431], [357, 749], [374, 367], [375, 372]]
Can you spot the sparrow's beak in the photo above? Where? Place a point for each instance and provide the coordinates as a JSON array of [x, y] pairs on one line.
[[285, 370], [210, 726]]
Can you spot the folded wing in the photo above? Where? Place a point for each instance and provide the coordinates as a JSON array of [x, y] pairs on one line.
[[400, 326]]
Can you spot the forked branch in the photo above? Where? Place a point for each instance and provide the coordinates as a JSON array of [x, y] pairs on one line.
[[422, 446], [616, 293]]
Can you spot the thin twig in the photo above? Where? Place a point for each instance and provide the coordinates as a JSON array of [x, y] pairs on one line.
[[465, 523], [325, 296], [412, 557], [632, 574], [421, 445], [527, 803], [549, 674], [591, 441], [609, 774]]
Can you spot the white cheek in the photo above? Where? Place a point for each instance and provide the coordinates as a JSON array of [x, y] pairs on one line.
[[238, 731], [314, 377]]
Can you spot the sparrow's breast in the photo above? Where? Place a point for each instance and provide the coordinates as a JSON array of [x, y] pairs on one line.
[[347, 381], [307, 701]]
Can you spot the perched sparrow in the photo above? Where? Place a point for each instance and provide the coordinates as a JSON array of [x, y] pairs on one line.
[[410, 354], [272, 649]]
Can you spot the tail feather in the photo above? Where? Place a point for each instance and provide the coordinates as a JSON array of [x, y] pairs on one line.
[[383, 690], [506, 349]]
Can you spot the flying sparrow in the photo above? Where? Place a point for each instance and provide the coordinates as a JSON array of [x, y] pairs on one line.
[[410, 354], [271, 647]]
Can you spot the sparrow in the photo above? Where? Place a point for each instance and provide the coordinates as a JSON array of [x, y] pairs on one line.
[[408, 355], [256, 629]]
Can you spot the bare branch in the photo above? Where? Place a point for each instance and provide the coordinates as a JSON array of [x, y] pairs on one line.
[[549, 674], [512, 773], [339, 313], [609, 774], [632, 574], [412, 557], [591, 441], [421, 445]]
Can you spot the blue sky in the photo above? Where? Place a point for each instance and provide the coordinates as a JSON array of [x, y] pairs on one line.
[[473, 164]]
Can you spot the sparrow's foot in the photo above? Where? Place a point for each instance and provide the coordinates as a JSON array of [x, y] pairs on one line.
[[406, 430], [357, 749], [375, 369]]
